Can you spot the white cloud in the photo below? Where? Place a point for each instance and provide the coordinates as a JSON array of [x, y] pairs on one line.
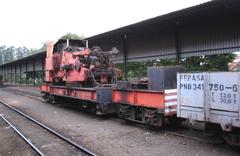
[[31, 22]]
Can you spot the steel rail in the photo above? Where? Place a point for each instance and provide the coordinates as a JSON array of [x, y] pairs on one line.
[[190, 137], [178, 134], [18, 92], [23, 137], [186, 136], [86, 151]]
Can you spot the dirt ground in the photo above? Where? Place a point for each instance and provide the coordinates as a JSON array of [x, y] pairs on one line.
[[110, 135]]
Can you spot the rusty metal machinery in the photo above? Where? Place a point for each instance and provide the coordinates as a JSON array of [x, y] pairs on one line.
[[71, 62], [77, 74]]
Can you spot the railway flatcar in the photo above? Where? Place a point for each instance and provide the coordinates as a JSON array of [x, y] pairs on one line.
[[75, 72], [212, 98]]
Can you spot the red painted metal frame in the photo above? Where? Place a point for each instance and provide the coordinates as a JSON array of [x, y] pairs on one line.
[[77, 93], [165, 102], [45, 88], [139, 98]]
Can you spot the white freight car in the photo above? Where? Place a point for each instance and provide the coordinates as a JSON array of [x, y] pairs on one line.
[[213, 98]]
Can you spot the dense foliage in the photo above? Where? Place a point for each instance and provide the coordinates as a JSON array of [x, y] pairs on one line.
[[195, 63], [72, 36], [8, 54], [209, 63]]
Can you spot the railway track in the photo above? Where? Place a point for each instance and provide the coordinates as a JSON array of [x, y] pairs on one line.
[[200, 136], [11, 142], [183, 132], [22, 93], [23, 137], [52, 143]]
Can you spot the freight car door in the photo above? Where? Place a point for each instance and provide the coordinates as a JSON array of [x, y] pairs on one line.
[[191, 95]]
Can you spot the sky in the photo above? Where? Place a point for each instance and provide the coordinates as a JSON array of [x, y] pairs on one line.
[[30, 23]]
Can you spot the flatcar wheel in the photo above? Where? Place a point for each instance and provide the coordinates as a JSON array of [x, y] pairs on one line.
[[119, 111], [98, 110], [52, 99], [125, 111], [46, 97], [152, 117]]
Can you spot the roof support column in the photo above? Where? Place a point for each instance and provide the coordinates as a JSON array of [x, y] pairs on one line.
[[125, 55], [7, 74], [11, 74], [15, 73], [34, 72], [4, 74], [20, 73], [26, 71], [178, 48]]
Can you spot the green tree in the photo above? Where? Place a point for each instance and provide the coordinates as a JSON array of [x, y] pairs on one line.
[[26, 51], [19, 53], [139, 69], [196, 63], [193, 63], [209, 63], [2, 48], [72, 36], [8, 54]]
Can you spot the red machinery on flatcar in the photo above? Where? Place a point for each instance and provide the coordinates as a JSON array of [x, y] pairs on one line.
[[74, 71]]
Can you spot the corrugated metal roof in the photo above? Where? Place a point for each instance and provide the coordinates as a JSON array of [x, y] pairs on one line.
[[25, 58], [191, 11]]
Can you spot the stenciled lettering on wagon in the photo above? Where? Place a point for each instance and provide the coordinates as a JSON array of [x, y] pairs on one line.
[[191, 77], [191, 82], [223, 94], [190, 86], [221, 87]]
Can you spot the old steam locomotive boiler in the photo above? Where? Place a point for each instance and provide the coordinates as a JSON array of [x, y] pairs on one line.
[[80, 74]]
